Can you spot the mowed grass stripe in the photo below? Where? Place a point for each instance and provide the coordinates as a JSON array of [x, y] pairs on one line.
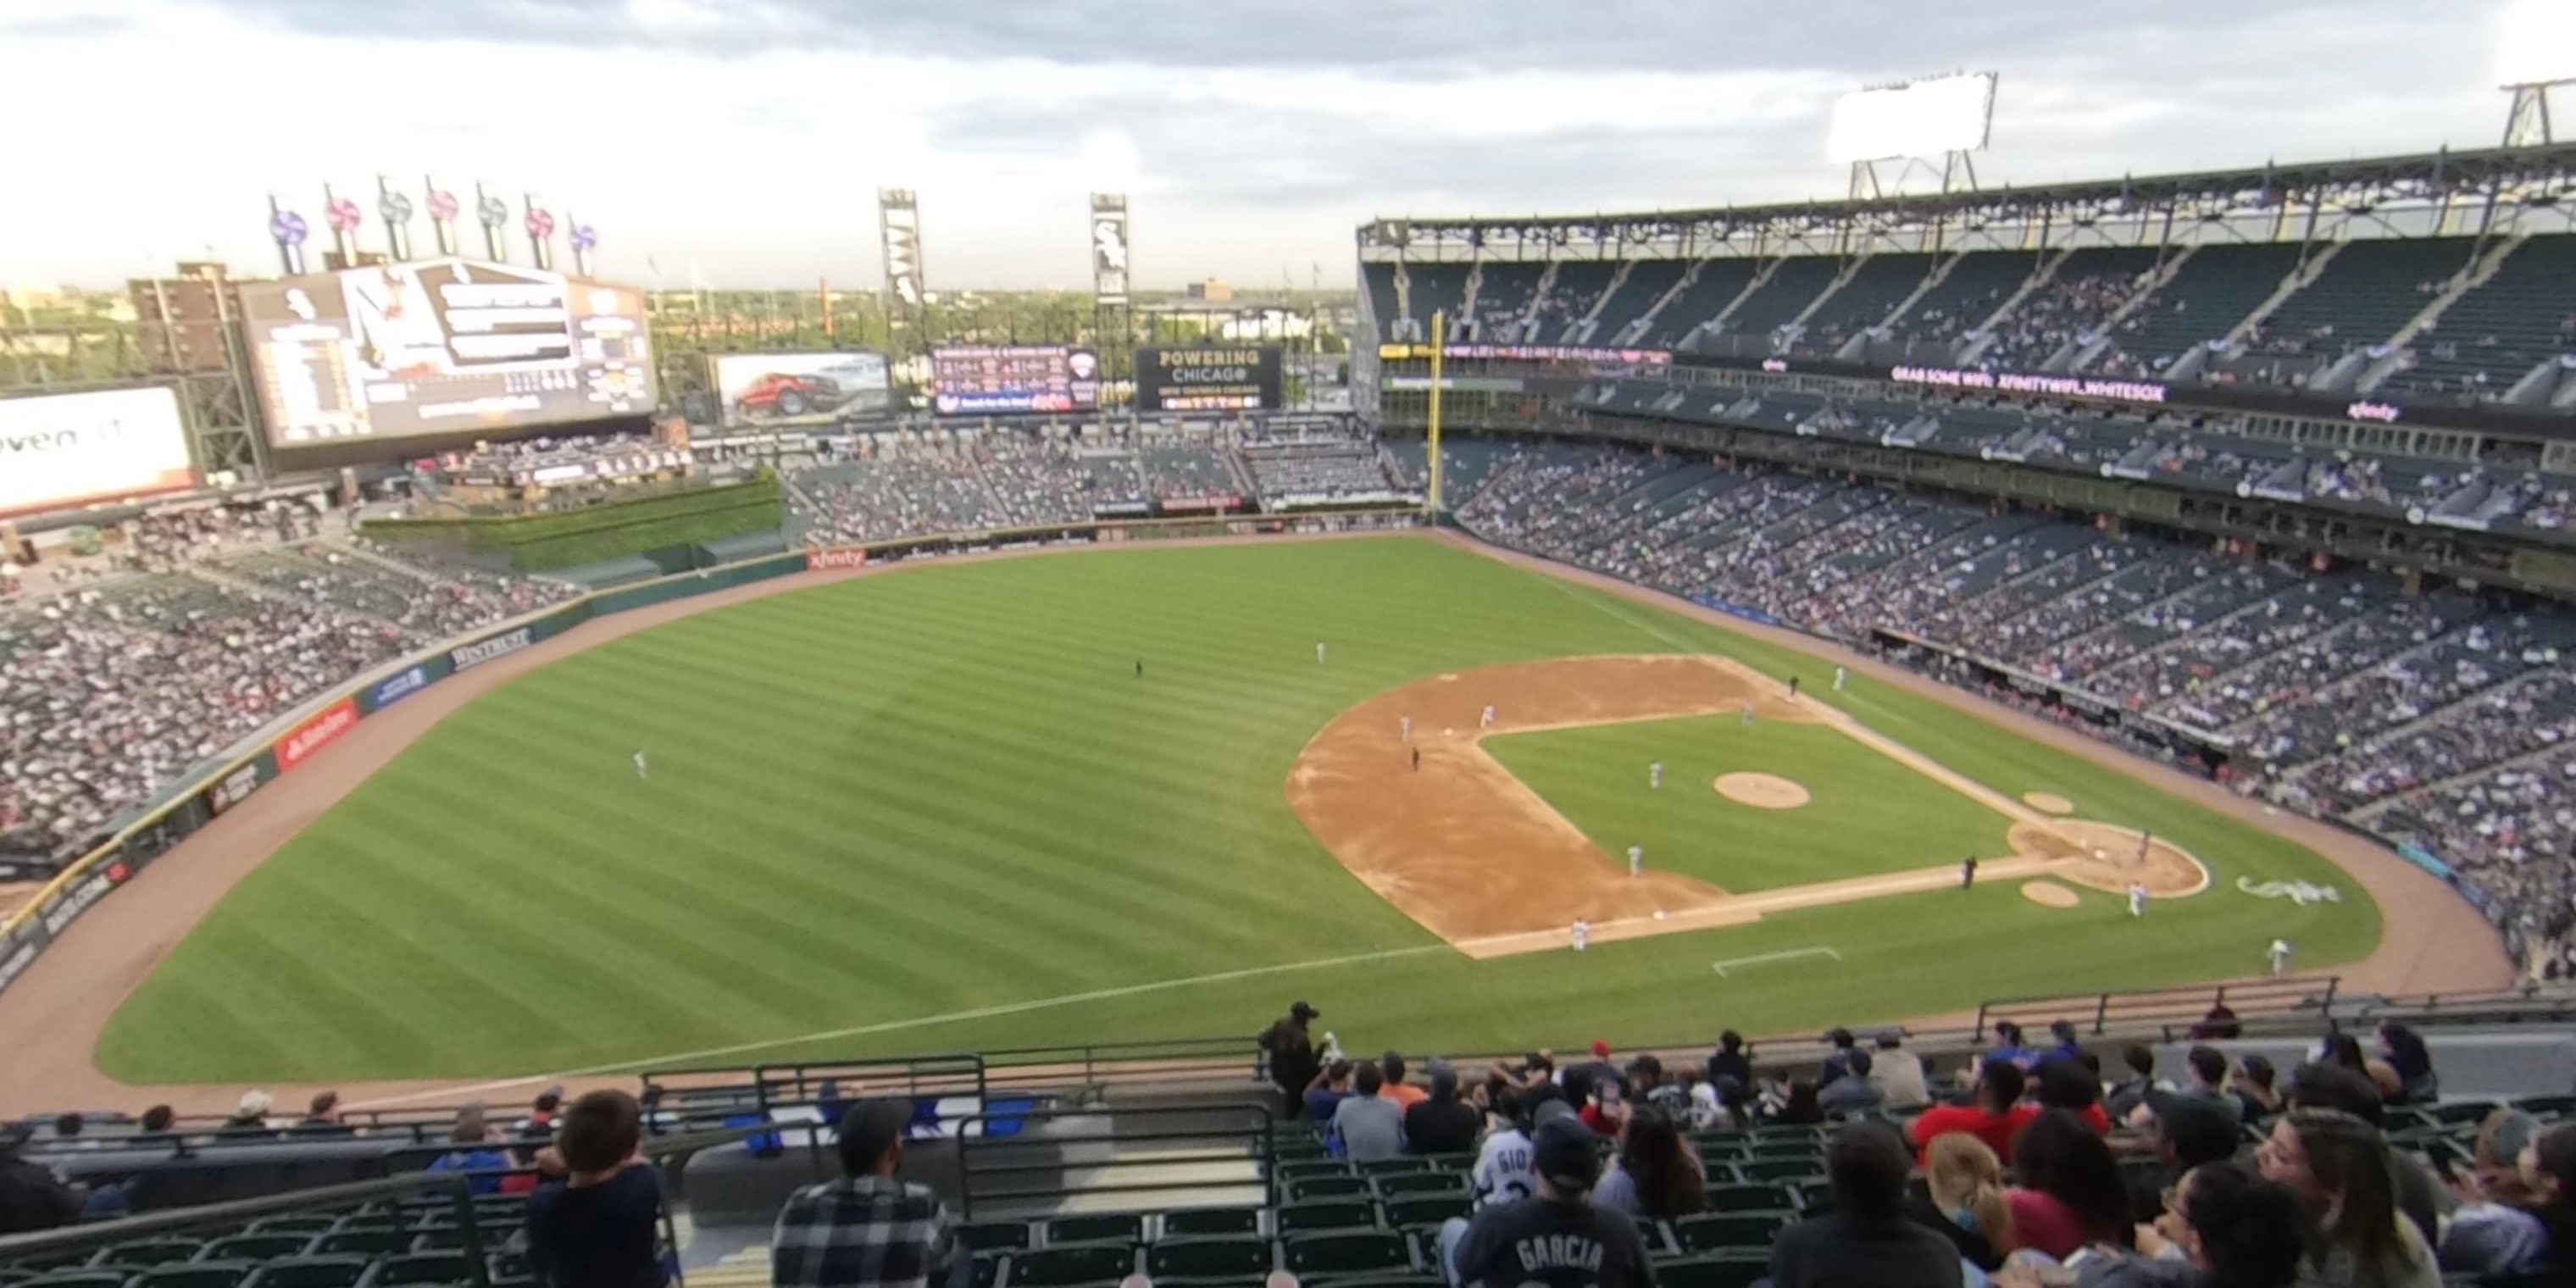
[[924, 794]]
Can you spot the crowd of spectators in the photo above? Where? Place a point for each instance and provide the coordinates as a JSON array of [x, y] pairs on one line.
[[189, 631], [2057, 313]]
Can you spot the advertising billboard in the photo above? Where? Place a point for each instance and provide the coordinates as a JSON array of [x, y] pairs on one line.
[[800, 388], [59, 450], [441, 347], [1014, 379], [1109, 248], [899, 237], [1225, 377], [1924, 118]]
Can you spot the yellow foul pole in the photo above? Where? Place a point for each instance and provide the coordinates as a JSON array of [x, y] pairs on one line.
[[1439, 342]]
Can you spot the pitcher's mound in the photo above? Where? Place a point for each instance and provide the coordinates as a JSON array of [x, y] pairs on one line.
[[1761, 791], [2048, 802], [2048, 894]]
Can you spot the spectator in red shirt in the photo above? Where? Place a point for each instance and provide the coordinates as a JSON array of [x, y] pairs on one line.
[[1608, 1111], [1997, 1116], [2065, 1084]]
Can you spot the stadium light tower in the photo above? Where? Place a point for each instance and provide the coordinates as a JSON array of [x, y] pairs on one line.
[[2535, 53], [1936, 126]]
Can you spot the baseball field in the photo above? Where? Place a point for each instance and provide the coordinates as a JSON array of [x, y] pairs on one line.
[[938, 808]]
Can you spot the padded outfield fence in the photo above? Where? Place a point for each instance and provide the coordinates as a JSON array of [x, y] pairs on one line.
[[286, 744]]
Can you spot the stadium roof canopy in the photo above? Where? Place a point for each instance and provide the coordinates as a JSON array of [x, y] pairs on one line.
[[2446, 182]]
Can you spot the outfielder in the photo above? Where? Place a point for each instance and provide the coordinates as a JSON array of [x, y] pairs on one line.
[[642, 770], [2137, 900], [1655, 775], [2280, 955], [1319, 652], [1582, 934], [1839, 676], [1636, 859]]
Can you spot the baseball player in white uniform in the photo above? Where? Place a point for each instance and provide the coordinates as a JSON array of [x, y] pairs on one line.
[[1636, 859], [1319, 652], [643, 770], [1655, 775], [2137, 900], [2280, 955], [1840, 675], [1747, 721], [1582, 934], [1404, 728], [1488, 720]]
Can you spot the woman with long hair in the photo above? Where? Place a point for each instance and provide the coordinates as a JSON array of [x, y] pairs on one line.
[[2071, 1195], [2064, 1084], [2404, 1050], [1967, 1184], [2496, 1229], [2343, 1174], [1657, 1173], [2234, 1230], [2549, 1179]]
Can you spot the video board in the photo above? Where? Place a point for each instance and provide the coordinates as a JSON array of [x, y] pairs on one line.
[[1225, 377], [441, 347], [1014, 380], [800, 388], [62, 450]]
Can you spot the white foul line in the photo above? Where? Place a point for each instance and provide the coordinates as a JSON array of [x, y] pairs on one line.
[[444, 1094], [1790, 955]]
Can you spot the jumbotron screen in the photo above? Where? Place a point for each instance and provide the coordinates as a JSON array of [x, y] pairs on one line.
[[1220, 377], [1014, 380], [441, 348]]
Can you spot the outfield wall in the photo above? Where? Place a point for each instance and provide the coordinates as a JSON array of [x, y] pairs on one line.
[[295, 739]]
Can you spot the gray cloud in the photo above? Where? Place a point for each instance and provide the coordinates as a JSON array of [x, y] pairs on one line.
[[1863, 37]]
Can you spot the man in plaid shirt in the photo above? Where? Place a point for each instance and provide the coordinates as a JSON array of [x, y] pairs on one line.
[[868, 1230]]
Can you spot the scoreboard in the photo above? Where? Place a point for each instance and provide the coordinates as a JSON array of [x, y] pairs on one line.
[[1014, 380]]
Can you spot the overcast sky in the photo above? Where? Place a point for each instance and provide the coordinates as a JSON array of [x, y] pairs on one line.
[[744, 140]]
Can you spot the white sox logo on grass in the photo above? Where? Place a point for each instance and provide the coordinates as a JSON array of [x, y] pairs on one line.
[[2298, 892], [473, 655]]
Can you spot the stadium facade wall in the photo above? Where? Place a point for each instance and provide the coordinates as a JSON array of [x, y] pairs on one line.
[[309, 731]]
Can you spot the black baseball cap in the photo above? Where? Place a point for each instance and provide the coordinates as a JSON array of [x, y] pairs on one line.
[[1304, 1012], [1566, 1155]]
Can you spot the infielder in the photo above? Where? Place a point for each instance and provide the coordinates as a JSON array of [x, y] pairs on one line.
[[1747, 721], [1636, 860], [1582, 934], [1655, 776], [642, 770], [1839, 676], [2280, 955], [1404, 728], [2137, 900], [1488, 721]]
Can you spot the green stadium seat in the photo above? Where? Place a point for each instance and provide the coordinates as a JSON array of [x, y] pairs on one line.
[[988, 1270], [1422, 1183], [305, 1225], [446, 1238], [1103, 1227], [1732, 1268], [1328, 1187], [376, 1221], [147, 1252], [254, 1247], [1391, 1166], [310, 1272], [1813, 1194], [1787, 1149], [1194, 1223], [1331, 1214], [995, 1236], [1298, 1171], [363, 1243], [1781, 1169], [1721, 1171], [81, 1279], [511, 1267], [419, 1268], [193, 1274], [1451, 1162], [13, 1275], [2462, 1112], [1346, 1252], [1387, 1281], [1064, 1267], [1427, 1211], [1749, 1197], [1711, 1231], [1227, 1257]]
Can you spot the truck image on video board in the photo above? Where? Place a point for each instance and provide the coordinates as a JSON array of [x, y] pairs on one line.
[[801, 388]]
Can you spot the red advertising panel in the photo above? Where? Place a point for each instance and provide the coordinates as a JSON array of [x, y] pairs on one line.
[[821, 560], [309, 738]]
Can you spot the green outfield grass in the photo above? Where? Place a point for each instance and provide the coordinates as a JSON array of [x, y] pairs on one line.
[[1865, 814], [934, 810]]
